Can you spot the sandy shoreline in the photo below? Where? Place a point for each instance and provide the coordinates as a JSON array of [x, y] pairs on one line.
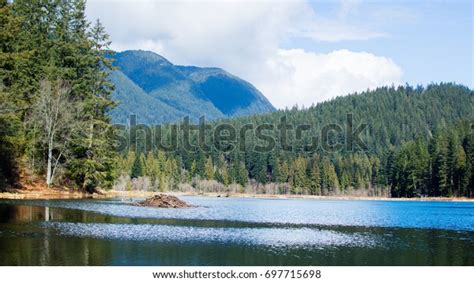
[[65, 194]]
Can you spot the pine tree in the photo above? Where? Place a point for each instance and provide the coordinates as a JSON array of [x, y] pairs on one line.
[[192, 170], [137, 167], [242, 175], [329, 180], [300, 181], [461, 177], [441, 168], [315, 178], [209, 169], [152, 168], [11, 94], [468, 145], [259, 169], [94, 155], [282, 171], [224, 175]]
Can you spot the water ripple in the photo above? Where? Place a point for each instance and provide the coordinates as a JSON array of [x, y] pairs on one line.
[[274, 237]]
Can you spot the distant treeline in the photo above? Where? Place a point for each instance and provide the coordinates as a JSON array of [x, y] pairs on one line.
[[416, 142]]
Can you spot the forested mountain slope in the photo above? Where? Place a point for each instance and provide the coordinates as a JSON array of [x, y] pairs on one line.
[[417, 141], [158, 91]]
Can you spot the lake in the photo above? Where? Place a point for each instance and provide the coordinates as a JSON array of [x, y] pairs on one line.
[[237, 231]]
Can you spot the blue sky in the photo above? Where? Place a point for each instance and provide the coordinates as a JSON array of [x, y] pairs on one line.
[[303, 52], [431, 41]]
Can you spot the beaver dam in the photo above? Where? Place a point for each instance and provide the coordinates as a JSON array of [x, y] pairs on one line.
[[163, 201]]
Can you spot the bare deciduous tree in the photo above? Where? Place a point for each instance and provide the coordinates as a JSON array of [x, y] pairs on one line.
[[55, 112]]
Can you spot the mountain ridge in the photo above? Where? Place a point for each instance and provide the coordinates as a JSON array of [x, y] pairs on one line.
[[157, 91]]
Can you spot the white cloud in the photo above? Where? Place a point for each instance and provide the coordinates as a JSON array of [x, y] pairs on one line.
[[299, 77], [245, 39], [330, 31]]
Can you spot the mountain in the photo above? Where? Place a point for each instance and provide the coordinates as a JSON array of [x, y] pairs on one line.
[[157, 91]]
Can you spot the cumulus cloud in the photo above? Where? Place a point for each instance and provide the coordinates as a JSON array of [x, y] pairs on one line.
[[245, 38], [299, 77]]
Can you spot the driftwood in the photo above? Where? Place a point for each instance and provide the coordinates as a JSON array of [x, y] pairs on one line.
[[163, 201]]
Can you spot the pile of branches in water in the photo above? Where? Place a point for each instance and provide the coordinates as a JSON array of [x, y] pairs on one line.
[[163, 201]]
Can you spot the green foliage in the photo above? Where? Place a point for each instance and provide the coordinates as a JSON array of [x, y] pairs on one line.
[[12, 78], [209, 169], [315, 178], [46, 42], [419, 143], [136, 170]]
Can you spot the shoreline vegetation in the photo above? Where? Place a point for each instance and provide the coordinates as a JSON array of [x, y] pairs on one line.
[[58, 193]]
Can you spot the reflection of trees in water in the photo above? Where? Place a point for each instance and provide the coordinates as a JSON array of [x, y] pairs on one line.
[[15, 213], [46, 250], [35, 244], [38, 244]]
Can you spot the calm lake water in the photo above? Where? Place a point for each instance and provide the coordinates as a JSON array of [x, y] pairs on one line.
[[233, 231]]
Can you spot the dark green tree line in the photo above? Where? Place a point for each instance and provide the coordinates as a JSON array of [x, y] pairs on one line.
[[418, 143]]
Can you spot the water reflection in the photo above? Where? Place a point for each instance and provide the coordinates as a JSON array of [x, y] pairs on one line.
[[438, 215], [48, 235]]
